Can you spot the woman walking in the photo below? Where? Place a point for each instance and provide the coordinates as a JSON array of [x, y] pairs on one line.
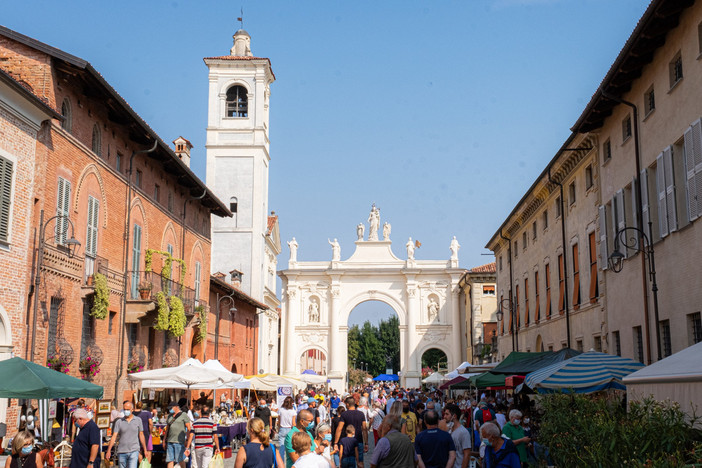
[[258, 453]]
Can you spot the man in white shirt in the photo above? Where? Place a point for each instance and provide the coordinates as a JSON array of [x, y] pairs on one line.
[[459, 434]]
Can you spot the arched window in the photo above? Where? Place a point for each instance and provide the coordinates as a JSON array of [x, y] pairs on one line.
[[67, 114], [237, 102], [97, 140]]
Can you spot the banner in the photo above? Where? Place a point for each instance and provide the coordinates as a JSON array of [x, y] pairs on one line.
[[283, 392]]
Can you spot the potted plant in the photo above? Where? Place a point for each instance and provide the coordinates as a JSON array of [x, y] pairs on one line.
[[57, 363], [89, 280], [134, 366], [144, 289], [88, 368]]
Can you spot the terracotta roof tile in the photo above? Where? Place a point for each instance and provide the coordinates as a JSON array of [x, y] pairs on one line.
[[487, 268]]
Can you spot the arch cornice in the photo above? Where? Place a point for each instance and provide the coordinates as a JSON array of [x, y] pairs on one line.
[[88, 170], [137, 203]]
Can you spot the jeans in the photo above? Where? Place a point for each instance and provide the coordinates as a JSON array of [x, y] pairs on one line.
[[281, 440], [360, 452], [203, 456], [348, 462], [128, 460]]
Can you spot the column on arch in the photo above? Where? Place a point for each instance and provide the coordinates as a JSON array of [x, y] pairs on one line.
[[292, 312], [456, 351], [337, 337], [411, 367]]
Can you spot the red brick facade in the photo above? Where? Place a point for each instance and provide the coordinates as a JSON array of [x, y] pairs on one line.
[[90, 153], [237, 345]]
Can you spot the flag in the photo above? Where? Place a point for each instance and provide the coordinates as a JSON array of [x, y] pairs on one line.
[[240, 19], [417, 244]]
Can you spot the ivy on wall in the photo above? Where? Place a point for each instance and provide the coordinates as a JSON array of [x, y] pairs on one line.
[[168, 260], [202, 327], [176, 317], [101, 301]]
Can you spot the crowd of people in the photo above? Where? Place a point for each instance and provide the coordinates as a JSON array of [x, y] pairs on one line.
[[314, 429]]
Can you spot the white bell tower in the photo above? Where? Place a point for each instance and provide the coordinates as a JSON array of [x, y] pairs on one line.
[[237, 171]]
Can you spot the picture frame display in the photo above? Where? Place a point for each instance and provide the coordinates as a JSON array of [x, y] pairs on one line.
[[103, 422], [104, 406]]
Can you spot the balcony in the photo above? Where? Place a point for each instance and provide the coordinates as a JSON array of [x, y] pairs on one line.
[[144, 286]]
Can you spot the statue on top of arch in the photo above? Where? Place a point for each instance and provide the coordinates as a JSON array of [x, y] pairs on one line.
[[374, 220]]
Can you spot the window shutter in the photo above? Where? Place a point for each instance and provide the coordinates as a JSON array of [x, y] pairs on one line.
[[693, 156], [604, 250], [136, 259], [91, 238], [660, 189], [670, 190], [621, 219], [6, 167], [63, 201], [644, 201]]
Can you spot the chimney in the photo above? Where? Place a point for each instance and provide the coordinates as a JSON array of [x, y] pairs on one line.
[[236, 278], [182, 149], [219, 275]]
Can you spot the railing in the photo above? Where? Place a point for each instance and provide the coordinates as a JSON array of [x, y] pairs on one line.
[[153, 283], [94, 265]]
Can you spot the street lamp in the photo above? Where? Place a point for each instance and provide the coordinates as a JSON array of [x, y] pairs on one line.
[[232, 312], [71, 244], [616, 263], [354, 363]]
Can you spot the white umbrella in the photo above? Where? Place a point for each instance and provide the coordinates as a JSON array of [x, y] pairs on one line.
[[191, 374], [270, 382], [434, 378], [217, 368]]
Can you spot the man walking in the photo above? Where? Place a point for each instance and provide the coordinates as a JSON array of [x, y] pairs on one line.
[[175, 435], [356, 419], [130, 430], [263, 412], [395, 449], [434, 447], [86, 447], [206, 441], [304, 423], [460, 435]]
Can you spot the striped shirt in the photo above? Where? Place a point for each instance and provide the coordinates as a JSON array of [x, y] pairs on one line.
[[204, 430]]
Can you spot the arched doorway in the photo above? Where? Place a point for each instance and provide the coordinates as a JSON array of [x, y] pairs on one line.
[[314, 360], [539, 344], [374, 338], [434, 360], [234, 368]]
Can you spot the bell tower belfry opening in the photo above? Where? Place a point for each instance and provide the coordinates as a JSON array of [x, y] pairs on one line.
[[319, 296]]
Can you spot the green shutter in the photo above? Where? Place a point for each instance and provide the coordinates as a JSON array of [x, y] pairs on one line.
[[6, 167]]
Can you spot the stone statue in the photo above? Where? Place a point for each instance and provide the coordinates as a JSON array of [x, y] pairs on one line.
[[374, 220], [314, 311], [454, 248], [410, 249], [433, 309], [336, 250], [293, 250], [360, 229], [386, 231]]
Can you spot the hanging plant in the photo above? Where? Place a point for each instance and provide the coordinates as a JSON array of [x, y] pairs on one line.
[[202, 327], [148, 259], [88, 368], [162, 316], [176, 318], [134, 366], [57, 363], [101, 301]]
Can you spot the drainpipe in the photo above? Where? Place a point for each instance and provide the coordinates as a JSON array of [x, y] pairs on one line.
[[125, 255], [639, 214], [565, 251], [512, 328]]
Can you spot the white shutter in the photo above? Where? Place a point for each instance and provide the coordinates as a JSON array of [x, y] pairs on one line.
[[646, 214], [660, 190], [691, 141], [136, 259], [198, 269], [670, 190], [604, 248], [92, 234], [698, 168], [63, 201]]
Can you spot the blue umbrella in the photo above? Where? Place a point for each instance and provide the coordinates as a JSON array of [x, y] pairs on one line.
[[586, 373], [387, 377]]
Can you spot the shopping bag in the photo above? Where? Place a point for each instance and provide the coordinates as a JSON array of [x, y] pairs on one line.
[[217, 461], [144, 463]]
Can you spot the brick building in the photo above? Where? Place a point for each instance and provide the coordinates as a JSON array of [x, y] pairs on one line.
[[232, 325], [478, 298], [141, 216], [22, 115]]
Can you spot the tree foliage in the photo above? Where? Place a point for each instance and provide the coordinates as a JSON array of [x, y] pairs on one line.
[[435, 359], [376, 346]]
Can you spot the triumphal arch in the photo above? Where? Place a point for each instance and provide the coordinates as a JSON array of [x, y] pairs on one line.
[[319, 296]]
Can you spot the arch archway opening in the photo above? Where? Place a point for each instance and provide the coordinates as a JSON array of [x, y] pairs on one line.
[[373, 340], [314, 360], [434, 360]]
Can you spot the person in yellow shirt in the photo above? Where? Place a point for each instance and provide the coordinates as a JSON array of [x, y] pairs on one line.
[[411, 422]]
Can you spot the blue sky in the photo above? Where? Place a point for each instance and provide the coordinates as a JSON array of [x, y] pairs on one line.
[[442, 113]]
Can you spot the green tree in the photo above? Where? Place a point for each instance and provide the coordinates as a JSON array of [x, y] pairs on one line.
[[434, 358], [371, 349], [354, 339], [389, 334]]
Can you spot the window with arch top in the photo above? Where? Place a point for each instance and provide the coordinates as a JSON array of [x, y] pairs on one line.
[[237, 102], [66, 112]]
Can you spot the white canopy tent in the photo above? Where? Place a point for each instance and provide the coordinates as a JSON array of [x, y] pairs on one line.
[[270, 382], [434, 378], [677, 377], [191, 375]]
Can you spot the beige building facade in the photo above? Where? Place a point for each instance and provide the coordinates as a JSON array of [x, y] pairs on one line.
[[478, 288], [640, 133]]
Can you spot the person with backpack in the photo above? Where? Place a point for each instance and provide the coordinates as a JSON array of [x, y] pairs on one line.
[[499, 452], [410, 420], [482, 415]]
